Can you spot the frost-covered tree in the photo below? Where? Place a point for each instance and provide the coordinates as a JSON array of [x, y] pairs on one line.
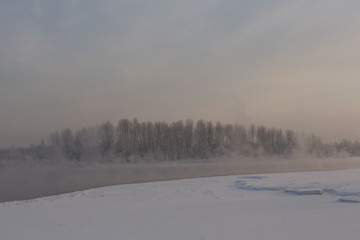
[[107, 138], [188, 138], [123, 143], [201, 139], [67, 143]]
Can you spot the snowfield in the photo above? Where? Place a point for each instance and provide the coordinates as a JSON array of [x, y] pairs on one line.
[[261, 206]]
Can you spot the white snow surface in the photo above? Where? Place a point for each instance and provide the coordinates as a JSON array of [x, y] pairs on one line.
[[229, 207]]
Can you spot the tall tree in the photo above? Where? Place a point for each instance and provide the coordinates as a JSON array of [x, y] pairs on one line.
[[67, 140], [107, 138]]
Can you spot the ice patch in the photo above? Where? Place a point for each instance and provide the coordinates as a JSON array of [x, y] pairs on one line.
[[349, 200], [253, 177], [305, 191], [287, 184], [241, 184]]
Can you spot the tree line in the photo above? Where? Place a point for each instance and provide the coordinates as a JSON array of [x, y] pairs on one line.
[[131, 140], [176, 140]]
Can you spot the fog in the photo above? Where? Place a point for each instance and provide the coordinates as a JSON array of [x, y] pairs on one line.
[[72, 64], [289, 64], [24, 182]]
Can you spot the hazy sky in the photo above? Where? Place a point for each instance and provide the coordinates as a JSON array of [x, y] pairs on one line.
[[78, 63]]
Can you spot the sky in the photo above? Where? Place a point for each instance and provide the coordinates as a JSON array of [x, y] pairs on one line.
[[78, 63]]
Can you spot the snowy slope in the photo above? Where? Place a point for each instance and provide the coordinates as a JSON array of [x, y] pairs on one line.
[[231, 207]]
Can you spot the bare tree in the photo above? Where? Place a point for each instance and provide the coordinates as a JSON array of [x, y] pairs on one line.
[[107, 138]]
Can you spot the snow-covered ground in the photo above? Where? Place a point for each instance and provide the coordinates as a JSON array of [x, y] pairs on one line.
[[262, 206]]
